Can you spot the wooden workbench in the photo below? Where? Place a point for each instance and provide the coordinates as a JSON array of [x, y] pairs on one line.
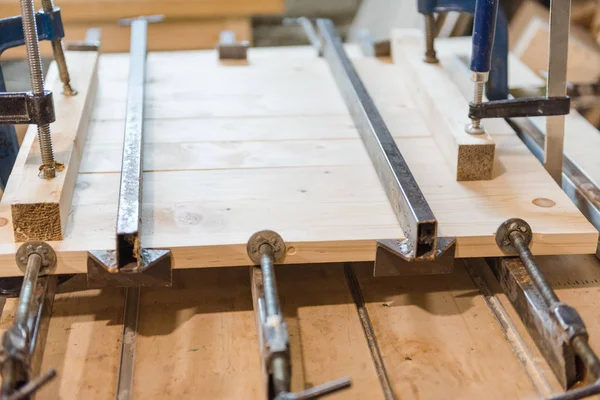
[[198, 339]]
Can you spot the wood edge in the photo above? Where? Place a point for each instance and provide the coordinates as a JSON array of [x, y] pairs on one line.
[[47, 220], [475, 162], [471, 157]]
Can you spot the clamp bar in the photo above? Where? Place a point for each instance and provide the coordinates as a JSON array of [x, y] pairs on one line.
[[408, 202], [130, 264], [525, 107], [23, 343], [265, 248], [556, 84], [561, 333]]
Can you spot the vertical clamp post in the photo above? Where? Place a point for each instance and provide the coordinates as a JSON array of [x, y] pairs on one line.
[[35, 259]]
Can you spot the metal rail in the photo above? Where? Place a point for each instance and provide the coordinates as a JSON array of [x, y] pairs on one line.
[[558, 45], [408, 202], [131, 264]]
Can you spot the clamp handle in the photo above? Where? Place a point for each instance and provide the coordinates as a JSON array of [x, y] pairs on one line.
[[484, 31]]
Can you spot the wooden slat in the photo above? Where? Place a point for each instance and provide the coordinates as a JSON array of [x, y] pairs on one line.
[[470, 156], [168, 35], [439, 339], [40, 207], [326, 337], [198, 338]]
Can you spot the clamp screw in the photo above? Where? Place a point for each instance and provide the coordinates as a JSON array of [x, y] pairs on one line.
[[504, 232], [43, 249], [266, 237]]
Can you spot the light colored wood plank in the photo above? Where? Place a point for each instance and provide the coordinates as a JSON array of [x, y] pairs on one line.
[[164, 36], [324, 197], [198, 339], [40, 207], [470, 156], [439, 339], [326, 337]]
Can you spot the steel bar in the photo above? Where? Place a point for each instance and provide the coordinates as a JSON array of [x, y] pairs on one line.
[[37, 84], [556, 86], [579, 393], [408, 202], [129, 213], [365, 321], [128, 343], [131, 265], [39, 320], [531, 307]]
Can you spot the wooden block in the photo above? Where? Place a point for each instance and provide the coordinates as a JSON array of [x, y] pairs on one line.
[[471, 157], [40, 207]]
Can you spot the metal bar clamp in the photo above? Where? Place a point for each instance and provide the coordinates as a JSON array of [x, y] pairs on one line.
[[421, 252], [131, 264]]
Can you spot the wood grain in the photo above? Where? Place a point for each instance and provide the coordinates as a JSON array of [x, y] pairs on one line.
[[271, 145], [471, 156], [40, 207], [437, 335]]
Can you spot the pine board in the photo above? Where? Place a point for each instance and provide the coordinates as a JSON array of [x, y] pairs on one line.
[[233, 149]]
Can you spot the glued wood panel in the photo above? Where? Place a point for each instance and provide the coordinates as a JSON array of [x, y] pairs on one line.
[[40, 207], [270, 145]]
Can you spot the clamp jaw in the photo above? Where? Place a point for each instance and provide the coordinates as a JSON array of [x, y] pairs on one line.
[[23, 107], [497, 52]]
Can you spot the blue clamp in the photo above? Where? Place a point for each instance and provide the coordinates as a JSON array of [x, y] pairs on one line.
[[49, 27], [497, 85]]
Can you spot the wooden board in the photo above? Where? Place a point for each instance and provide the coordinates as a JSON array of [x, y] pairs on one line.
[[270, 145], [471, 156], [168, 35], [40, 207], [113, 10]]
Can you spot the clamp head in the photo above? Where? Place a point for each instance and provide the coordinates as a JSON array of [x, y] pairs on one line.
[[509, 226], [271, 238], [148, 18], [43, 249]]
